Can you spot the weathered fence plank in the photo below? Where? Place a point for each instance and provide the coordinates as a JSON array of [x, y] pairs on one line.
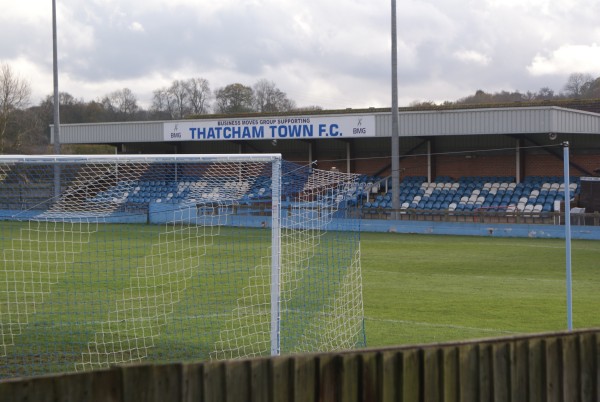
[[451, 374], [329, 378], [261, 384], [36, 389], [138, 383], [588, 353], [570, 369], [432, 377], [349, 377], [391, 376], [369, 375], [537, 371], [237, 381], [554, 370], [486, 376], [305, 378], [213, 380], [411, 375], [192, 383], [501, 372], [469, 372], [283, 384]]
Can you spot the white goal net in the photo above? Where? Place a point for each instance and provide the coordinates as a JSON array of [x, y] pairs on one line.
[[127, 258]]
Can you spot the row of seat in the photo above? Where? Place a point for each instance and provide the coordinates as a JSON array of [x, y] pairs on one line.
[[470, 194], [139, 192]]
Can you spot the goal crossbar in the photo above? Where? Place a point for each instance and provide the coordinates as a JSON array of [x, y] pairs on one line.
[[120, 158]]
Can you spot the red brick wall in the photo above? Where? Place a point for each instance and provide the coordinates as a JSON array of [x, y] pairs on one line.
[[460, 165], [548, 165], [497, 165]]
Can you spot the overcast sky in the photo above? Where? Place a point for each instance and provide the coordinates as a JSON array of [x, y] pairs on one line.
[[334, 54]]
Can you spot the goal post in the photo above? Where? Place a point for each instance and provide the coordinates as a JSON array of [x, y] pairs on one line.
[[165, 258], [275, 257]]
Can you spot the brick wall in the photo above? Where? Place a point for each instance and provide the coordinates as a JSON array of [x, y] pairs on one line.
[[457, 166]]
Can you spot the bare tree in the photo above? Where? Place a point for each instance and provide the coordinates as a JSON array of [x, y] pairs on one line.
[[198, 95], [577, 84], [29, 132], [179, 98], [122, 103], [161, 101], [14, 95], [268, 98], [592, 91], [182, 98], [545, 93]]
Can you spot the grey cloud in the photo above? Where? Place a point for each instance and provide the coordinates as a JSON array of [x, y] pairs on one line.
[[303, 43]]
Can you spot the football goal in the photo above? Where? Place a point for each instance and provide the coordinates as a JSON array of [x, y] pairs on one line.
[[116, 259]]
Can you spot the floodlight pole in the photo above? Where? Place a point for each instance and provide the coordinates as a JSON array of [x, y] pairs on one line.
[[56, 126], [569, 281], [395, 118]]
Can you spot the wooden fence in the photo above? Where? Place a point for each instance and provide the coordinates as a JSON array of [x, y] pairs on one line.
[[549, 367]]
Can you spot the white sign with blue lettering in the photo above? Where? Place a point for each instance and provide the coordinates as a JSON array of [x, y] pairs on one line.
[[278, 128]]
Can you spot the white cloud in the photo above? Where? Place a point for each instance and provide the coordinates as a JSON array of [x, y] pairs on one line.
[[136, 27], [472, 56], [568, 59], [39, 79]]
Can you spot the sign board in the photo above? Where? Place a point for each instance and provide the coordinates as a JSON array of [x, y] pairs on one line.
[[271, 128]]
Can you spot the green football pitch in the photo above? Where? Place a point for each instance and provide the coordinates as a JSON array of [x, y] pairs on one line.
[[422, 289], [426, 288]]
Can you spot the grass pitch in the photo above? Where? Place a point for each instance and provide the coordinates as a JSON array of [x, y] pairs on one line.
[[422, 289], [416, 288]]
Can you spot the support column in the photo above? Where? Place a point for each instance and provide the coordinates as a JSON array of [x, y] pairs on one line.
[[518, 162], [429, 161], [348, 156]]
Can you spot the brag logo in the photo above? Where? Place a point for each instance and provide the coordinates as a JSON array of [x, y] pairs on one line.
[[176, 134]]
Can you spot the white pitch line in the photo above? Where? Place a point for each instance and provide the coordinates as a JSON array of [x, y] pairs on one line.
[[428, 324], [443, 275]]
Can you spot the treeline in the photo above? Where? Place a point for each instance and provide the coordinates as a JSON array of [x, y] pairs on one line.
[[182, 99], [578, 86], [25, 128]]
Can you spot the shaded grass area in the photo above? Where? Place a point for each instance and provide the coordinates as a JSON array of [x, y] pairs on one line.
[[421, 289]]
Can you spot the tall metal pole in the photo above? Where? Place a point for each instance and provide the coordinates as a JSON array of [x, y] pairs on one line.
[[56, 126], [569, 282], [395, 117]]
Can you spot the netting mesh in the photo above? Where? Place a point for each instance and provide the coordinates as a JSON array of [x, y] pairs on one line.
[[110, 261]]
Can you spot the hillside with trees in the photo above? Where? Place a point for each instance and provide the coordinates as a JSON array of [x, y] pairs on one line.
[[25, 128]]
